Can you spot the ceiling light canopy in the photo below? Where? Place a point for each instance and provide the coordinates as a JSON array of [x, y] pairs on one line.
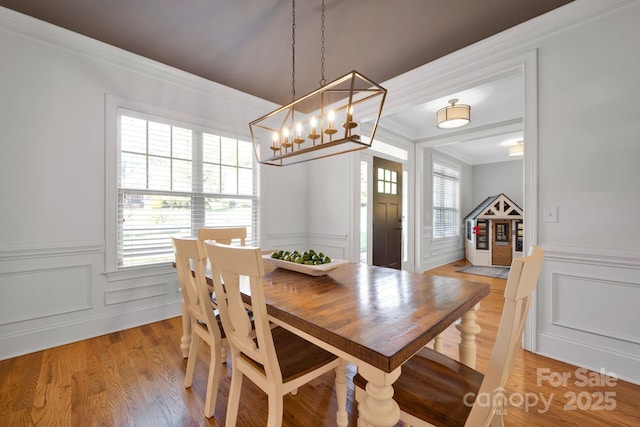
[[517, 150], [453, 116], [323, 123]]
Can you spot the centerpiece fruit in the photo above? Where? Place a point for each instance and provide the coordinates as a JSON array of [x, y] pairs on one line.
[[309, 257]]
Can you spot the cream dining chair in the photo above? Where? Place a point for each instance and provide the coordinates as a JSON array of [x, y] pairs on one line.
[[435, 390], [224, 235], [229, 236], [276, 360], [199, 309]]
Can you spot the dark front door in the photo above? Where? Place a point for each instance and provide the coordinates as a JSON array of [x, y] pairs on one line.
[[387, 213]]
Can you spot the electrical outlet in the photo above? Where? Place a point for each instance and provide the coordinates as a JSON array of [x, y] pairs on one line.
[[550, 214]]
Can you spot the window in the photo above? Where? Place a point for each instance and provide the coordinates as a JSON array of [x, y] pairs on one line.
[[174, 179], [445, 200], [387, 181]]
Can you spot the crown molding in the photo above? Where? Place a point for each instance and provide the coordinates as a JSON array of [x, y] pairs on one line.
[[44, 32], [435, 78]]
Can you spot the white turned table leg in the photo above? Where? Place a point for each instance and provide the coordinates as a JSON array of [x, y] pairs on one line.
[[438, 343], [469, 329], [341, 394], [377, 408], [185, 341]]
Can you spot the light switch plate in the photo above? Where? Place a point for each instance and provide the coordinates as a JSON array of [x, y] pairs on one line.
[[550, 214]]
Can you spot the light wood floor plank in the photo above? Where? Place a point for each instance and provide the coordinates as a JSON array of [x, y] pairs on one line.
[[136, 378]]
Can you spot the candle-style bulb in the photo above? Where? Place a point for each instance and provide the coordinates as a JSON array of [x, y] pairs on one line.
[[313, 135], [275, 146], [330, 130]]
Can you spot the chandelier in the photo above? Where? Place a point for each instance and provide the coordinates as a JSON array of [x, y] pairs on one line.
[[323, 123]]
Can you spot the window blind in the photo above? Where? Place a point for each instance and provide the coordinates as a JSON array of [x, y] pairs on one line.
[[445, 200], [173, 180]]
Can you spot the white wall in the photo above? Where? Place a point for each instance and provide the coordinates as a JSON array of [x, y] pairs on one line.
[[285, 196], [588, 169], [330, 184], [52, 181], [491, 179]]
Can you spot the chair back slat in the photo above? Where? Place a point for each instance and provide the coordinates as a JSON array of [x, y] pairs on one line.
[[230, 265], [226, 235], [522, 281], [191, 256]]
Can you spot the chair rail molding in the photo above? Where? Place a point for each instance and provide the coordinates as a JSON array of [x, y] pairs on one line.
[[46, 250], [593, 256]]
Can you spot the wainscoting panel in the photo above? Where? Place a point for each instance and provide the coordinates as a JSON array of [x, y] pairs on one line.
[[53, 294], [587, 309], [604, 306], [132, 293], [437, 252], [33, 294], [285, 241], [333, 245]]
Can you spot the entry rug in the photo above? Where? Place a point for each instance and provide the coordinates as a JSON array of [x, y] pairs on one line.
[[499, 272]]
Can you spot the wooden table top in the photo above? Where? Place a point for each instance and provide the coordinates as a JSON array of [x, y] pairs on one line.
[[379, 315]]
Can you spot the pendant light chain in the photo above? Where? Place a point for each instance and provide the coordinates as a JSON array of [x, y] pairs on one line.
[[323, 81], [308, 128], [293, 50]]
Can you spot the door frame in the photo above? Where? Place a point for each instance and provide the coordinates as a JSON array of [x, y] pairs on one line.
[[435, 80], [409, 182], [386, 198]]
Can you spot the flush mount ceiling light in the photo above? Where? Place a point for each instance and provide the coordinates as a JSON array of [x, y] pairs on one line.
[[517, 150], [323, 123], [453, 116]]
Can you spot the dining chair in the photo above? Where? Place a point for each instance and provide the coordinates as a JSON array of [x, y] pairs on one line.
[[435, 390], [224, 235], [276, 360], [227, 236], [191, 256]]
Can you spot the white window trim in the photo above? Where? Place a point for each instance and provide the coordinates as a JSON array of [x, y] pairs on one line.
[[113, 105]]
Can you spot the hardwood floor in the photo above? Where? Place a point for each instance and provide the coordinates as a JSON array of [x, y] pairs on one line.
[[135, 378]]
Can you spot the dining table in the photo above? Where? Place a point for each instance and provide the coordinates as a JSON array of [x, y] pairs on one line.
[[373, 317]]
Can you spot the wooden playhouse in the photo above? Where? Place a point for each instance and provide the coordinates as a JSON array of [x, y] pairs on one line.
[[494, 232]]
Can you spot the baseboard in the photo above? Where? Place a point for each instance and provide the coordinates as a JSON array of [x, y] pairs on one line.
[[625, 366], [60, 334]]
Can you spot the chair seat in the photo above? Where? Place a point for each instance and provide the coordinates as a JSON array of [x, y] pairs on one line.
[[295, 355], [432, 387]]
